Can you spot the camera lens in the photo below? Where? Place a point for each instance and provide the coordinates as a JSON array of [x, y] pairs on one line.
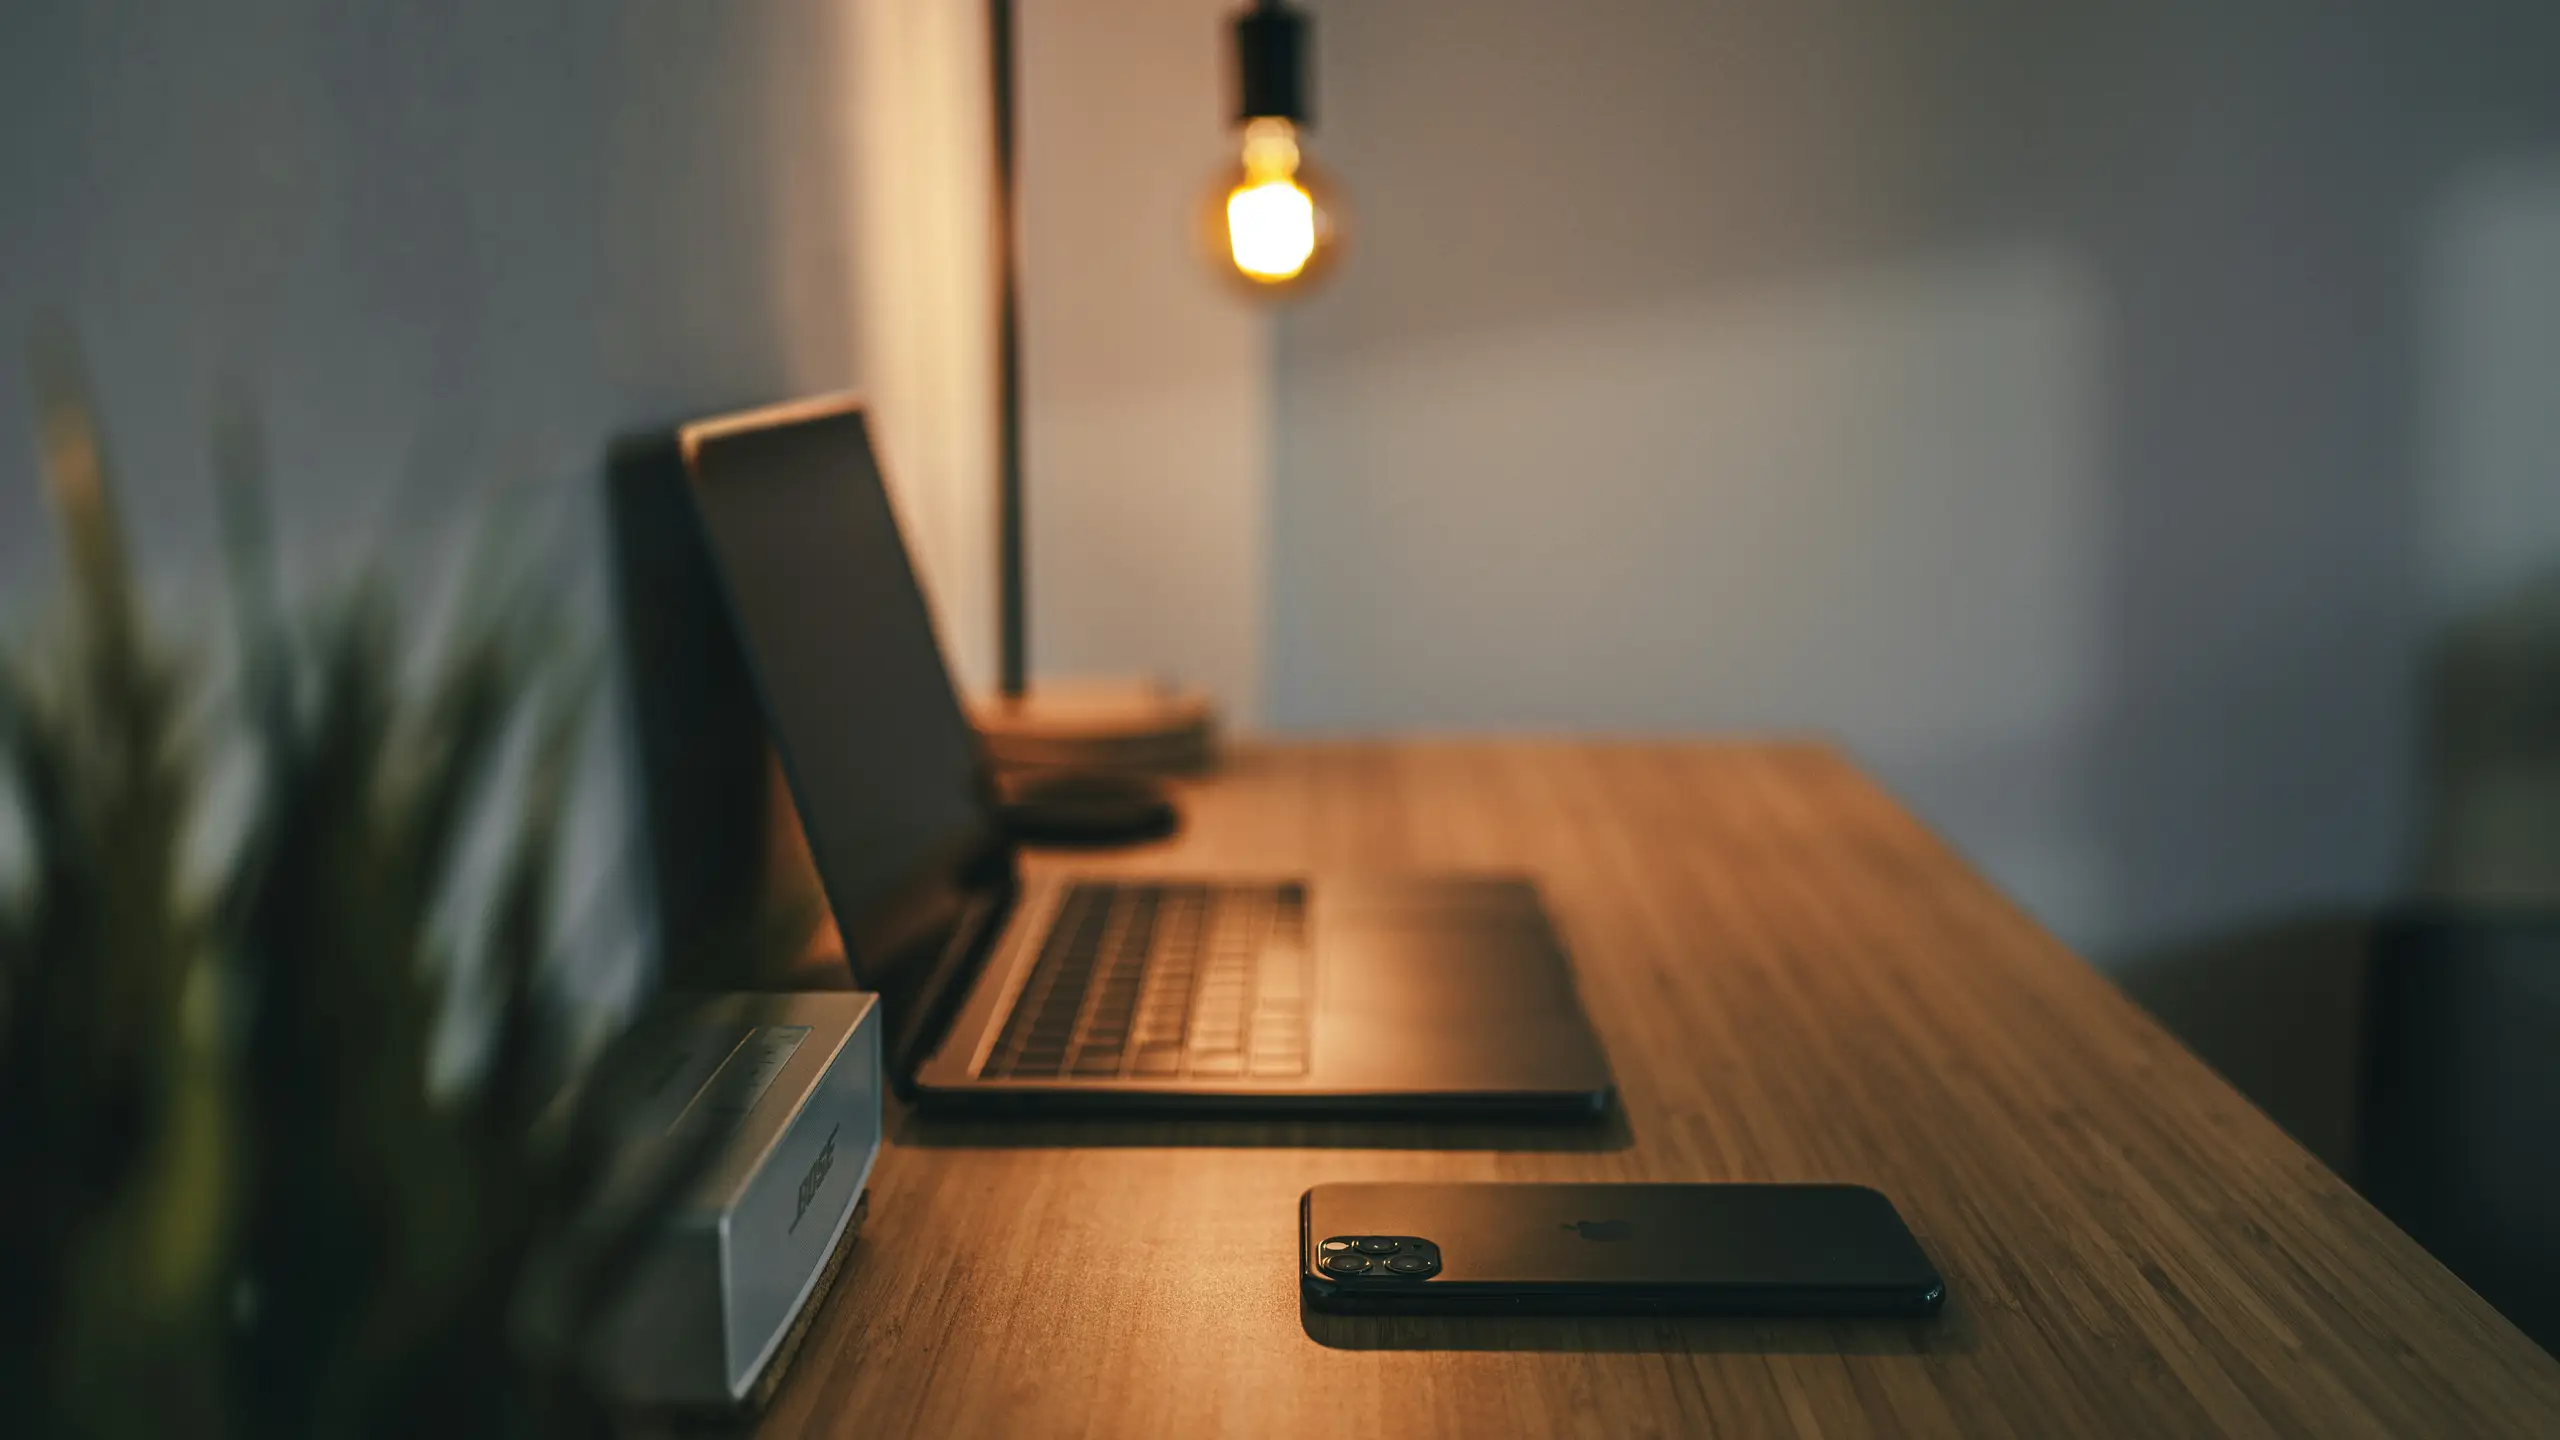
[[1377, 1245], [1412, 1265], [1347, 1262]]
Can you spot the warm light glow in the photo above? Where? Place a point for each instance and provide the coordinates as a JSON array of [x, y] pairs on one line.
[[1273, 222], [1271, 229]]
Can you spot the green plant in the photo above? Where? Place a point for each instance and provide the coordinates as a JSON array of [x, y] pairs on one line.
[[114, 1108], [236, 1204]]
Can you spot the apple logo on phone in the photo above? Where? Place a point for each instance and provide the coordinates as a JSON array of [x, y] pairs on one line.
[[1606, 1230]]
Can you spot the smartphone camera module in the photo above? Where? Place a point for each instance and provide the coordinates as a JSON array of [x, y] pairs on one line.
[[1379, 1257]]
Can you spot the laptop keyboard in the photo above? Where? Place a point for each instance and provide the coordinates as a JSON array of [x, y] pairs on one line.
[[1160, 980]]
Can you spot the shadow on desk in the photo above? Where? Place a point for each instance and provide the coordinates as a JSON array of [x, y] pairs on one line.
[[910, 1127], [1951, 1332]]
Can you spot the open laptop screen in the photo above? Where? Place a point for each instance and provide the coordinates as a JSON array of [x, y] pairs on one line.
[[882, 762]]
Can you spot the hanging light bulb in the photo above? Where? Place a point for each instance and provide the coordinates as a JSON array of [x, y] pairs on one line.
[[1272, 216], [1272, 219]]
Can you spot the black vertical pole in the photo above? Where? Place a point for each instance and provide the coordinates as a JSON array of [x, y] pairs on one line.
[[1012, 644]]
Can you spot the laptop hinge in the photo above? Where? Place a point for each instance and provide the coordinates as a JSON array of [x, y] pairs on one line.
[[964, 955]]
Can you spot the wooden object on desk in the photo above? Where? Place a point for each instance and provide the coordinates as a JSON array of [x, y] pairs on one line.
[[1795, 981], [1143, 726]]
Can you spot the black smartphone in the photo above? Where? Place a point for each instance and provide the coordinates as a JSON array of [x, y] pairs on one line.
[[1611, 1249]]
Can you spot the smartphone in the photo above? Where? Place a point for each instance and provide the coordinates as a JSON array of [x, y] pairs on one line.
[[1611, 1249]]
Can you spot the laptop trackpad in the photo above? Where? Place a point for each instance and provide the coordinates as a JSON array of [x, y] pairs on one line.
[[1446, 984], [1425, 974], [1438, 946], [1483, 1010]]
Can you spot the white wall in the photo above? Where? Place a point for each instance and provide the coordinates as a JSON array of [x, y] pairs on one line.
[[2091, 415], [1147, 383], [919, 127], [440, 245], [2488, 536], [2087, 413]]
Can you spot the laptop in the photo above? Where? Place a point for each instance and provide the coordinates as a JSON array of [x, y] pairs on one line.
[[1321, 993]]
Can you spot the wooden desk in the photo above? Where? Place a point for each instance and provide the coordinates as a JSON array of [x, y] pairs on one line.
[[1795, 981]]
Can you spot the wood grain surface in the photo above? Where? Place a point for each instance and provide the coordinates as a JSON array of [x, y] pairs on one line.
[[1795, 981]]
